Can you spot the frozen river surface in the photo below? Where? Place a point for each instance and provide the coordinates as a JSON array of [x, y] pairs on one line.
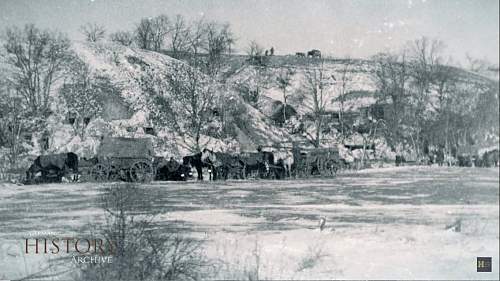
[[380, 223]]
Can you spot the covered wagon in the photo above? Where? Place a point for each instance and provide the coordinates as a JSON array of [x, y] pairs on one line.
[[127, 159]]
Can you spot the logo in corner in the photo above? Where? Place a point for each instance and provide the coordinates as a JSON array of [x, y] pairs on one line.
[[483, 264]]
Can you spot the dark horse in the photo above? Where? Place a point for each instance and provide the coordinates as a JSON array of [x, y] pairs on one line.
[[490, 158], [173, 171], [259, 162], [52, 167], [223, 163], [195, 161]]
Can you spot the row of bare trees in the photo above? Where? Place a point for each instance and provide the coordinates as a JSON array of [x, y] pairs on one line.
[[430, 102], [176, 35]]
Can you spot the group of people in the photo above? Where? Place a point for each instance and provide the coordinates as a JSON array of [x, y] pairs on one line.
[[269, 52]]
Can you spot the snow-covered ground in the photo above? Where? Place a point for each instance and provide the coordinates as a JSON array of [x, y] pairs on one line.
[[380, 223]]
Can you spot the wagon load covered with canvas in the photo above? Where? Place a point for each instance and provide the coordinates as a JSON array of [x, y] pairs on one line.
[[128, 159]]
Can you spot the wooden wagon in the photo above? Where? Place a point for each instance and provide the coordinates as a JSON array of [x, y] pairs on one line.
[[127, 159], [323, 162]]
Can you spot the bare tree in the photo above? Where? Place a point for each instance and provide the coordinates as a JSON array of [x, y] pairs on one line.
[[425, 58], [13, 121], [445, 84], [124, 38], [139, 251], [317, 86], [179, 36], [144, 34], [254, 49], [219, 41], [392, 77], [284, 80], [193, 96], [93, 32], [38, 59], [160, 27], [181, 100], [255, 54], [343, 86], [81, 93], [197, 39]]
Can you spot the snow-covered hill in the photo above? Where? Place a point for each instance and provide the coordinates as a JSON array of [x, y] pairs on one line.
[[125, 66]]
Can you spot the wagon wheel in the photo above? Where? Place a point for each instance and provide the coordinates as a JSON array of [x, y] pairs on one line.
[[99, 173], [325, 167], [141, 172], [330, 168]]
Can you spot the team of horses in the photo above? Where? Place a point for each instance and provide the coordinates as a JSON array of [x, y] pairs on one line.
[[221, 165]]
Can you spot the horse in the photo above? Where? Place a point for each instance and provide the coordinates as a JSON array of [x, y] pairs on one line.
[[195, 161], [300, 55], [450, 160], [490, 158], [181, 173], [53, 167], [252, 164], [172, 171], [285, 159], [223, 163], [400, 160], [260, 162], [465, 160], [440, 157]]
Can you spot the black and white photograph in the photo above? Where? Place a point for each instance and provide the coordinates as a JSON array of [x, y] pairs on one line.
[[249, 140]]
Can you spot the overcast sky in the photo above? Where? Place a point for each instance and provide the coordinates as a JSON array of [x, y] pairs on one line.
[[356, 28]]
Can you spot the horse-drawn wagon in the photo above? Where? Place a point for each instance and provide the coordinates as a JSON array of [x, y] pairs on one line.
[[128, 159], [316, 161]]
